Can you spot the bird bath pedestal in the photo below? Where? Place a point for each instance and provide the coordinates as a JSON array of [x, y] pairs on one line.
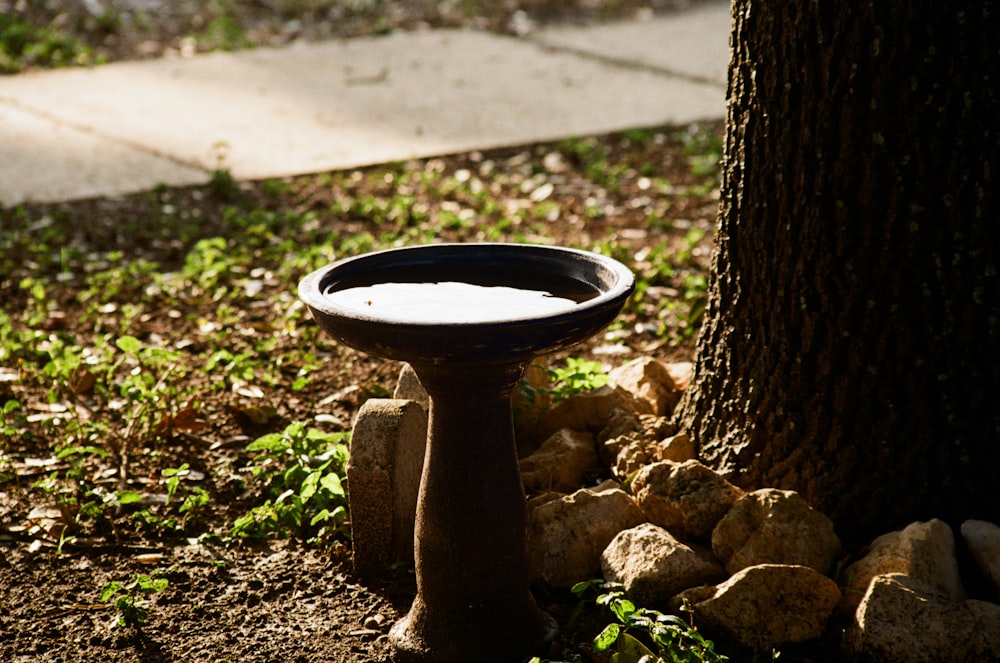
[[469, 318]]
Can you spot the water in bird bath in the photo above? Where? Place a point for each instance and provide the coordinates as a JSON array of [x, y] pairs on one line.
[[451, 302]]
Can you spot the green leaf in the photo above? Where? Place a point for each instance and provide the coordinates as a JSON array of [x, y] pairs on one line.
[[610, 596], [331, 484], [72, 451], [317, 435], [309, 486], [148, 585], [320, 517], [293, 431], [198, 498], [582, 587], [269, 442], [173, 471], [129, 496], [284, 496], [622, 609], [633, 649], [295, 475], [607, 638], [217, 358], [128, 344], [242, 526], [172, 484], [160, 356], [110, 589]]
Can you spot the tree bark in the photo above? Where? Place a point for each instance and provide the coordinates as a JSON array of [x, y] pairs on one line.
[[850, 345]]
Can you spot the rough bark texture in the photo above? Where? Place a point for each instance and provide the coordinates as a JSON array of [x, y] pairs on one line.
[[850, 350]]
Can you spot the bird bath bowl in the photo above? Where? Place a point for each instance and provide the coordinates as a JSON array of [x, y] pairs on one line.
[[469, 318]]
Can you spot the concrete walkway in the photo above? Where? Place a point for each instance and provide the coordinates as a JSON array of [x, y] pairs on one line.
[[127, 127]]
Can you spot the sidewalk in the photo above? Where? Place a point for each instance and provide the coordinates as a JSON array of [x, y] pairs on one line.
[[127, 127]]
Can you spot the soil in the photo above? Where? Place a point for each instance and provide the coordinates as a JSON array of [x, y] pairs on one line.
[[279, 599]]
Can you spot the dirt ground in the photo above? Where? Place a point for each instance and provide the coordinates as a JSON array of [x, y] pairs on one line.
[[277, 600], [267, 603]]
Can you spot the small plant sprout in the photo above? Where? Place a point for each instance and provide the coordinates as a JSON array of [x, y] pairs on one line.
[[577, 375], [8, 421], [173, 476], [194, 499], [131, 600], [641, 635]]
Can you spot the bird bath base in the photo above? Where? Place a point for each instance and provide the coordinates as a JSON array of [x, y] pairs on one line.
[[473, 598]]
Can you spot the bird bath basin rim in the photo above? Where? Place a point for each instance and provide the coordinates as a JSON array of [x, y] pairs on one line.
[[606, 282]]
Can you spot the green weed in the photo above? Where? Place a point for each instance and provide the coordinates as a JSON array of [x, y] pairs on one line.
[[641, 635], [83, 506], [575, 376], [131, 600], [222, 184], [578, 375], [9, 420], [194, 499], [301, 475], [147, 390], [590, 154], [223, 32], [696, 296], [704, 149], [207, 266], [23, 45]]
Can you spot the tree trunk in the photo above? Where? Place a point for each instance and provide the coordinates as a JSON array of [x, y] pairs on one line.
[[850, 347]]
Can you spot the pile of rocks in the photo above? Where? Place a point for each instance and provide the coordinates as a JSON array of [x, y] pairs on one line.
[[759, 569]]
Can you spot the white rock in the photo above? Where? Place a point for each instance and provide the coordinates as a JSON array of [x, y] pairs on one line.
[[653, 566], [681, 373], [566, 536], [771, 526], [384, 467], [561, 463], [677, 448], [767, 606], [923, 550], [589, 411], [651, 382], [621, 421], [983, 540], [687, 499], [623, 427], [408, 388], [901, 618], [632, 455], [629, 452]]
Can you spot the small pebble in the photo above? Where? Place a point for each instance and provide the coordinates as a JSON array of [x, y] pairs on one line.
[[374, 622]]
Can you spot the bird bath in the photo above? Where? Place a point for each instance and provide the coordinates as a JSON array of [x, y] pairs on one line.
[[469, 318]]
